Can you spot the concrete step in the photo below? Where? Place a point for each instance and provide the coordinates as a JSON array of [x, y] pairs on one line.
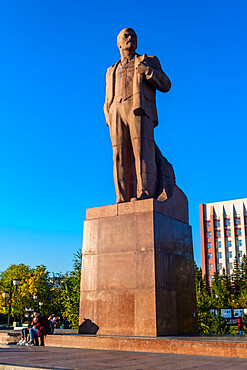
[[7, 337], [220, 346]]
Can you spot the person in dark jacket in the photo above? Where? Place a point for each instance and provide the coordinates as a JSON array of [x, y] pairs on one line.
[[51, 323], [43, 327], [40, 328], [240, 325]]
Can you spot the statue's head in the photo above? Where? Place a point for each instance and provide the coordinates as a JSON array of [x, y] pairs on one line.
[[127, 40]]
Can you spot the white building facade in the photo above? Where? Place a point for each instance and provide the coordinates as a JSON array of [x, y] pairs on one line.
[[223, 235]]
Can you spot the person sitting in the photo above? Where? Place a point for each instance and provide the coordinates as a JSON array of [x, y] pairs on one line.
[[51, 323], [59, 321], [65, 323], [39, 330], [43, 328], [24, 336], [32, 331]]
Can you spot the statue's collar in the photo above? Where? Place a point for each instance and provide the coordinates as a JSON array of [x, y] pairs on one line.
[[128, 58]]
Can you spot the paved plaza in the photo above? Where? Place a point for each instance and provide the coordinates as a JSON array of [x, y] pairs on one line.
[[14, 357]]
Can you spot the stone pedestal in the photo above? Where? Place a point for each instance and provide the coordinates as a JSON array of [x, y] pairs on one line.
[[137, 271]]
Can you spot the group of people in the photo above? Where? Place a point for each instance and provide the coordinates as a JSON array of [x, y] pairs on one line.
[[59, 322], [36, 331], [39, 327]]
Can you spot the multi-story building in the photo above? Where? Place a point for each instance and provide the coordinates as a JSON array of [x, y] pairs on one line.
[[223, 235]]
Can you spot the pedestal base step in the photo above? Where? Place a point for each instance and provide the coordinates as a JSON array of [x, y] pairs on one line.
[[9, 338], [220, 346]]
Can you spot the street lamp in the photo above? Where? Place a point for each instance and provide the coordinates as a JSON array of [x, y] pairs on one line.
[[40, 304], [35, 297], [7, 295], [29, 313], [16, 283]]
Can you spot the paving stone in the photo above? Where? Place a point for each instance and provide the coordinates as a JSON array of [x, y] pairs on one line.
[[18, 358]]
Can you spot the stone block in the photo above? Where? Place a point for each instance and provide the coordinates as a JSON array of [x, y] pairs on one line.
[[116, 271], [89, 280], [116, 234], [90, 237], [99, 212], [145, 313], [116, 312], [145, 267], [125, 208], [137, 272]]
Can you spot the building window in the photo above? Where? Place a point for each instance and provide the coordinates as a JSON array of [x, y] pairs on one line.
[[239, 243], [217, 223], [209, 256], [220, 266], [229, 243], [210, 267], [218, 234], [209, 234], [238, 231], [209, 245], [228, 223], [240, 254], [230, 265], [229, 254], [228, 232], [218, 244], [208, 223], [220, 255], [211, 278], [238, 222]]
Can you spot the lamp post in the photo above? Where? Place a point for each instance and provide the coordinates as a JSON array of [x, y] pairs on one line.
[[5, 295], [8, 295], [40, 305], [35, 297], [29, 314]]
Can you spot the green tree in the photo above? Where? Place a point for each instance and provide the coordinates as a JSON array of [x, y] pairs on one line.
[[204, 302], [243, 273], [59, 293], [33, 282], [56, 284], [226, 281], [70, 292], [236, 279], [219, 325], [221, 291]]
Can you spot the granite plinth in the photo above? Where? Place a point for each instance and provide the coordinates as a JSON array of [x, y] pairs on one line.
[[137, 272], [218, 346], [175, 207]]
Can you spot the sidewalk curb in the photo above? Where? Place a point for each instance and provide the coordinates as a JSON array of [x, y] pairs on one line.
[[20, 367]]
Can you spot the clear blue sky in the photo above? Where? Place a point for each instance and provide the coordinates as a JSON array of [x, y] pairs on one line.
[[55, 150]]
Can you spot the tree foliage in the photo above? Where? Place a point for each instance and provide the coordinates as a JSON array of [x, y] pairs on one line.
[[236, 278], [204, 302], [34, 281], [222, 294], [70, 292], [59, 293]]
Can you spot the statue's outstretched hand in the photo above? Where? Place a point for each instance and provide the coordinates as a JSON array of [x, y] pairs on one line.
[[143, 68]]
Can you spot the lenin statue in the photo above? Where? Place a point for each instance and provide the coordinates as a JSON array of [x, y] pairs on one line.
[[140, 170]]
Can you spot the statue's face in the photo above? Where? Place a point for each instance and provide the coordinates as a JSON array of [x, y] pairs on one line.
[[127, 39]]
